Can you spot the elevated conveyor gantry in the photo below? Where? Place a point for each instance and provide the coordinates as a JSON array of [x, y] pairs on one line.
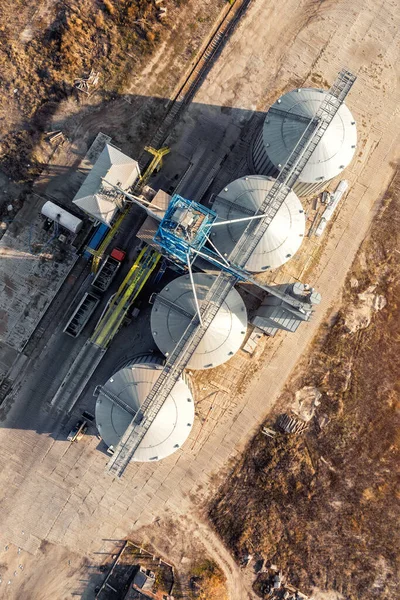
[[219, 290]]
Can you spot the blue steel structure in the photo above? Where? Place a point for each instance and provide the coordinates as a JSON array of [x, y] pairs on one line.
[[184, 232], [185, 227]]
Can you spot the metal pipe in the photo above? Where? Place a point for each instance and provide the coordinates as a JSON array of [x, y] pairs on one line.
[[272, 290], [139, 201], [215, 261], [217, 251], [194, 289], [239, 220]]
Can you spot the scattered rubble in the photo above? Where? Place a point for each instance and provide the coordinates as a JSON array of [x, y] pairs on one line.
[[306, 401], [272, 584], [358, 316], [88, 84], [290, 424]]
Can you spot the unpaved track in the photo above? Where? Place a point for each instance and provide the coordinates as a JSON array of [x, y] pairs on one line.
[[63, 495], [239, 587]]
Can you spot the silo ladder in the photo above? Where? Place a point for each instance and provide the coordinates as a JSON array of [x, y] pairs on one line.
[[172, 371]]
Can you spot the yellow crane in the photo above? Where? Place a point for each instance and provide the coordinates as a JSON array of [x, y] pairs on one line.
[[155, 164], [127, 293]]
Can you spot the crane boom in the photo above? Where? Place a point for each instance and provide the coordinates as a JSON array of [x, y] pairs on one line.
[[187, 345]]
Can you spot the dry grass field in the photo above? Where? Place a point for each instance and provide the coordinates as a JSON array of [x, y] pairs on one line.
[[325, 506], [46, 46]]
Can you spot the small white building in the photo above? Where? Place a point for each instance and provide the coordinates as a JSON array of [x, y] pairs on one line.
[[61, 216], [95, 197]]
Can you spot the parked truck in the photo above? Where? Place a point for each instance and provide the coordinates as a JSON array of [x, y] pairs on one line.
[[108, 270], [81, 314], [90, 300]]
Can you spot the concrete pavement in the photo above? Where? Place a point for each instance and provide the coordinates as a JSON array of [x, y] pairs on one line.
[[60, 492]]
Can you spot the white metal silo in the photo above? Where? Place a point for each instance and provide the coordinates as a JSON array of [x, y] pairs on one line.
[[283, 126], [174, 308], [129, 387], [242, 198]]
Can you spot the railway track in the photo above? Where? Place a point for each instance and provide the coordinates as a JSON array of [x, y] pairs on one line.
[[199, 70]]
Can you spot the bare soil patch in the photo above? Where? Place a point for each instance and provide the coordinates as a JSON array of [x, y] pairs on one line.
[[324, 506]]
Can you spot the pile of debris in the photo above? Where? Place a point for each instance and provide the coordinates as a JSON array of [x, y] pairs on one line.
[[273, 585], [87, 84], [285, 424], [162, 11], [55, 136]]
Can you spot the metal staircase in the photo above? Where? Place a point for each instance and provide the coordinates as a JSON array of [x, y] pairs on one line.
[[292, 168], [173, 369], [285, 114], [185, 348], [114, 399]]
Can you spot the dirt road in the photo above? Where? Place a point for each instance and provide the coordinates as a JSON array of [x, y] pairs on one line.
[[238, 585], [275, 47]]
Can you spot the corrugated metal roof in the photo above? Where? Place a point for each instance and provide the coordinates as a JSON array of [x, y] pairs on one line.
[[170, 319], [161, 200], [283, 237], [281, 133], [276, 316], [171, 426], [147, 232], [94, 197]]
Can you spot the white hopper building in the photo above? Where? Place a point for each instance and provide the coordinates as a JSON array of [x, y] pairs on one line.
[[283, 126], [95, 196], [174, 308], [282, 239], [130, 386]]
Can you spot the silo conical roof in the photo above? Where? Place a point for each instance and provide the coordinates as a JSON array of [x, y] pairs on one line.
[[175, 306], [131, 385], [281, 132], [242, 198]]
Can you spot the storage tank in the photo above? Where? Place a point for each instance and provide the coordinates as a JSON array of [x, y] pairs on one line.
[[174, 308], [61, 216], [283, 126], [130, 386], [243, 198]]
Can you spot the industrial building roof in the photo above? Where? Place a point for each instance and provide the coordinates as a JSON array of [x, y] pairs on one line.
[[281, 132], [95, 197], [131, 385], [175, 306], [243, 198]]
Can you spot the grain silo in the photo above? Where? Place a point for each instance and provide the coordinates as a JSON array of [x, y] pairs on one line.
[[283, 126], [121, 397], [242, 198], [174, 308]]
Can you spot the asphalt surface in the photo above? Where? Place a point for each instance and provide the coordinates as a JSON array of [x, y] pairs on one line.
[[58, 492], [51, 352]]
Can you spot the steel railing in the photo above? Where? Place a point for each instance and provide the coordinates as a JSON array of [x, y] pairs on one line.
[[194, 333]]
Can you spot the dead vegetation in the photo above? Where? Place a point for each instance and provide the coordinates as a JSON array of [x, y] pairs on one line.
[[39, 70], [324, 506], [207, 581], [45, 47]]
